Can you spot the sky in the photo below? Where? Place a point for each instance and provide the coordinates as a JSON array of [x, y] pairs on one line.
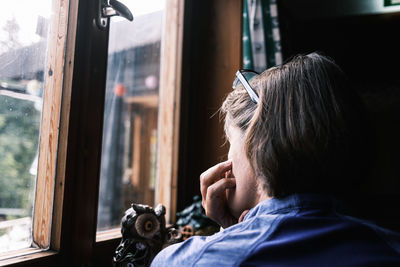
[[140, 7], [26, 13]]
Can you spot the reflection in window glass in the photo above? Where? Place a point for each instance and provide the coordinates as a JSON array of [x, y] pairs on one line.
[[128, 165], [23, 41]]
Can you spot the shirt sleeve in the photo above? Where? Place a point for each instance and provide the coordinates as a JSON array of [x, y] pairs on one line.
[[226, 248], [181, 254]]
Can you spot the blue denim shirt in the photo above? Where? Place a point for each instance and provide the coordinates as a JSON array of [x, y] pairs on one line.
[[301, 230]]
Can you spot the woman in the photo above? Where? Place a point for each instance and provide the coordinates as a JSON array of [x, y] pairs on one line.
[[298, 137]]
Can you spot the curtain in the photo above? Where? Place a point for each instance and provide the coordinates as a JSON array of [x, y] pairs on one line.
[[261, 35]]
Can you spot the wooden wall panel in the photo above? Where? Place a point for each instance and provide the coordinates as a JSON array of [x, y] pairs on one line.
[[211, 56]]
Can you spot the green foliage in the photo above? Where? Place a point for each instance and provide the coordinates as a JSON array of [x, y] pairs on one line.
[[19, 136]]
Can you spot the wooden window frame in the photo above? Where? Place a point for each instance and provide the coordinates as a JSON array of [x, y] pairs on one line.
[[70, 91], [45, 224], [52, 133], [72, 241], [169, 107], [71, 80]]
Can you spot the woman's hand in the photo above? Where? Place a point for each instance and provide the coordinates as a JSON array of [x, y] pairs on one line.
[[213, 185]]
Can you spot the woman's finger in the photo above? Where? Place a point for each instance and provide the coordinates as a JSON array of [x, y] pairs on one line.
[[242, 215], [212, 175], [215, 203], [217, 189], [215, 196]]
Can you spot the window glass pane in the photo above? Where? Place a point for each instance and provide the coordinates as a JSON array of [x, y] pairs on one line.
[[23, 41], [128, 166]]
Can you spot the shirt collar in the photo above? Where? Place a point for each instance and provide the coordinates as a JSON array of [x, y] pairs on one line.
[[292, 202]]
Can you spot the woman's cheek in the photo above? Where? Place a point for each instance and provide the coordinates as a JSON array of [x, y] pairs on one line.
[[230, 197], [235, 202], [230, 193]]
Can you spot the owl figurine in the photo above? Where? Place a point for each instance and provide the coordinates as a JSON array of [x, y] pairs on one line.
[[144, 234]]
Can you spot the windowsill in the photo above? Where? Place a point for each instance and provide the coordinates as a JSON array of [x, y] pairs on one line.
[[106, 242], [24, 255], [108, 234]]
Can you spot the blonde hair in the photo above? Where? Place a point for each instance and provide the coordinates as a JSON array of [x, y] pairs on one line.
[[307, 134]]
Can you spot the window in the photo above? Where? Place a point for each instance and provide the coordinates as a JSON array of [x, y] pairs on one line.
[[129, 149], [24, 41], [66, 157], [71, 129]]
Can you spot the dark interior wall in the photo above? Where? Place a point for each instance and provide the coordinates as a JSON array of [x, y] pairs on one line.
[[211, 56], [367, 47]]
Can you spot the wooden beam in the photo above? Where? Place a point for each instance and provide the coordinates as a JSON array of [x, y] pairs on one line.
[[136, 166], [169, 107], [85, 129], [150, 101], [64, 124], [152, 115], [50, 124]]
